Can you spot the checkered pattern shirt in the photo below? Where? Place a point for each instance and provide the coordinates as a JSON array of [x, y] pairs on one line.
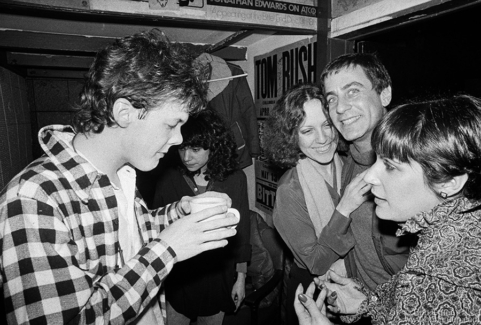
[[59, 242]]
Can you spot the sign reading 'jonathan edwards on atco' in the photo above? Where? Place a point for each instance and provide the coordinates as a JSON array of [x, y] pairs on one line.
[[268, 5]]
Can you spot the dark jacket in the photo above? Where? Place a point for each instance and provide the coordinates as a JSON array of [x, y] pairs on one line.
[[236, 106], [202, 285]]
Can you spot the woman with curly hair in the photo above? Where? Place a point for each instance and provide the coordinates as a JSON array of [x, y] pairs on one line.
[[309, 213], [213, 283]]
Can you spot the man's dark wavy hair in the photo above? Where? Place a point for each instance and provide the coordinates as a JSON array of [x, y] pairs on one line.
[[281, 131], [207, 130], [147, 70], [442, 135], [373, 68]]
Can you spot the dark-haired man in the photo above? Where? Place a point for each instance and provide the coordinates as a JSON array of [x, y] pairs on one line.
[[358, 89]]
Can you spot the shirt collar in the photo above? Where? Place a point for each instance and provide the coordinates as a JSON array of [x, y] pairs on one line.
[[439, 213], [56, 141]]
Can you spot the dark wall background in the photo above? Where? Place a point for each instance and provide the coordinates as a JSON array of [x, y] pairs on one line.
[[52, 101], [15, 126], [437, 56]]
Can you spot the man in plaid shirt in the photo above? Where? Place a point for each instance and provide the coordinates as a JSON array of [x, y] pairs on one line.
[[78, 243]]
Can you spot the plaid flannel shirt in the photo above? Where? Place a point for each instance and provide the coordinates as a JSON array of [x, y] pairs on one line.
[[59, 242]]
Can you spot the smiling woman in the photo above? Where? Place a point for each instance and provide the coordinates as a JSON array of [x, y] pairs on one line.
[[317, 137], [309, 213]]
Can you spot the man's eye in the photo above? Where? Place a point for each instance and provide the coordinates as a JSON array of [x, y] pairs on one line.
[[353, 91], [331, 100]]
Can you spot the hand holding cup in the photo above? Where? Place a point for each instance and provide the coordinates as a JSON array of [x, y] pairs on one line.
[[201, 231], [198, 204]]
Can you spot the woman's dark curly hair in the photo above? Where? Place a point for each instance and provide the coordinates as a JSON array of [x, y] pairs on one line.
[[280, 139], [442, 135], [148, 71], [207, 130]]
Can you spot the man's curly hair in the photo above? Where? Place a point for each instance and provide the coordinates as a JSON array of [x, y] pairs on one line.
[[147, 70], [207, 130], [281, 131]]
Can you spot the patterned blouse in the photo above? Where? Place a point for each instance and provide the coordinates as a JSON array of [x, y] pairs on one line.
[[441, 282], [60, 249]]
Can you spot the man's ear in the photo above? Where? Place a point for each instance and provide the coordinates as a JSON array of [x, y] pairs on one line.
[[386, 96], [123, 112], [453, 186]]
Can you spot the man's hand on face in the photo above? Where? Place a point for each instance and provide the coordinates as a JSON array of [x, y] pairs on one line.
[[189, 237]]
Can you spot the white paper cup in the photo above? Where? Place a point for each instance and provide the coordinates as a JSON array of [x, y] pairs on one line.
[[201, 203]]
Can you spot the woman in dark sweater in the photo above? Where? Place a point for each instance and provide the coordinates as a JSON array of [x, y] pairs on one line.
[[207, 286]]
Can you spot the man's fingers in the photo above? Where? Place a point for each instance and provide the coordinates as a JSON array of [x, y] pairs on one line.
[[336, 278], [207, 246], [183, 206], [218, 234], [207, 213], [225, 222], [219, 195], [365, 189]]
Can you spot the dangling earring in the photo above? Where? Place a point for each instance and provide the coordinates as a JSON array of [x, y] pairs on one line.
[[443, 195]]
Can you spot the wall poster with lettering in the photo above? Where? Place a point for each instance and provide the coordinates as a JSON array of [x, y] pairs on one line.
[[288, 13], [274, 73]]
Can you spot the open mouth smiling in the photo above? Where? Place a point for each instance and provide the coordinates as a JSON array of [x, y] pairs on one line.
[[322, 149], [350, 120]]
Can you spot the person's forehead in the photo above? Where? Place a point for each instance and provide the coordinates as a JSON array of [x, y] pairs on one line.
[[171, 112], [346, 75], [313, 110], [173, 106]]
